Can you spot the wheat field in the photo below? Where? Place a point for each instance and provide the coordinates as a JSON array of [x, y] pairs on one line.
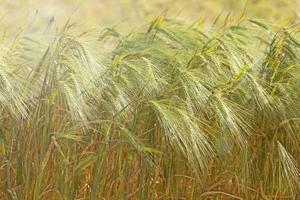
[[143, 100]]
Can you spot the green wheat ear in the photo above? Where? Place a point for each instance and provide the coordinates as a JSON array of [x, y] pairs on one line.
[[289, 167]]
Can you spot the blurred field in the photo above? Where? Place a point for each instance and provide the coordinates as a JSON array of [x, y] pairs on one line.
[[109, 12]]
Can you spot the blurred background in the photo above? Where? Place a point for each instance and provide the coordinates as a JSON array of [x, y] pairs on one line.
[[90, 13]]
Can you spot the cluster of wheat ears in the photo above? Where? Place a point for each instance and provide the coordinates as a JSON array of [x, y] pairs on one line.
[[172, 111]]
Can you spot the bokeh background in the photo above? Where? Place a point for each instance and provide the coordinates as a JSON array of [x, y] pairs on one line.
[[89, 13]]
